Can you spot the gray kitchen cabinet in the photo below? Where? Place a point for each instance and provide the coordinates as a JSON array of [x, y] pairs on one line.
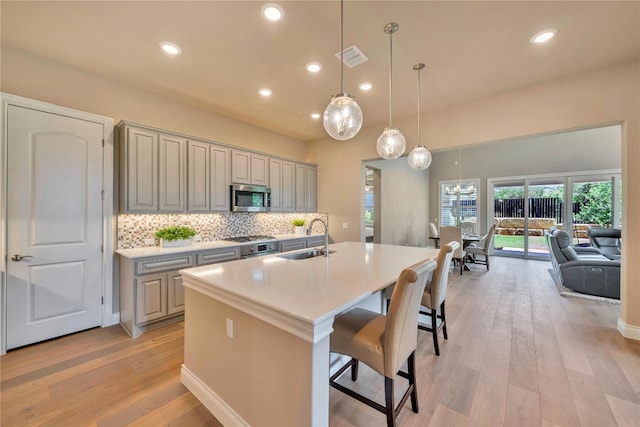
[[151, 291], [175, 293], [208, 173], [288, 186], [153, 170], [249, 168], [220, 173], [315, 241], [139, 164], [218, 255], [172, 173], [282, 183], [293, 244], [151, 296], [311, 189], [275, 180], [198, 177], [305, 188]]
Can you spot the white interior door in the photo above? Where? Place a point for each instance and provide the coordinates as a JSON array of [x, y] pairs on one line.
[[54, 221]]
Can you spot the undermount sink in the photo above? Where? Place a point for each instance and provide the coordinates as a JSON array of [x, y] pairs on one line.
[[312, 253]]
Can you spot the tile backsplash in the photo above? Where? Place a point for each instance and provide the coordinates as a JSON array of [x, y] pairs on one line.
[[134, 229]]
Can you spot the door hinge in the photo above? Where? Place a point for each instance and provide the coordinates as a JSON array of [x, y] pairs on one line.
[[102, 248], [103, 142], [102, 194], [102, 300]]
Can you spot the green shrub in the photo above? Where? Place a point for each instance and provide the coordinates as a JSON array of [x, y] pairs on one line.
[[298, 222], [175, 233]]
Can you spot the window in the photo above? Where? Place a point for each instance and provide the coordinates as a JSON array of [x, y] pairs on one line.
[[459, 202]]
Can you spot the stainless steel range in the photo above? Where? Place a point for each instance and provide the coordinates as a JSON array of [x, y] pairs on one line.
[[256, 249]]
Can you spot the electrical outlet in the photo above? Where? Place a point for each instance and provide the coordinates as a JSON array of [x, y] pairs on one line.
[[149, 242], [345, 225], [230, 328]]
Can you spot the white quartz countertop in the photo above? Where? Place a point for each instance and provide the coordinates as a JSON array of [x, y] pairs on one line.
[[310, 290], [148, 251]]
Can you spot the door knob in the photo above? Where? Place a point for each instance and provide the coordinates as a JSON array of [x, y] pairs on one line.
[[17, 257]]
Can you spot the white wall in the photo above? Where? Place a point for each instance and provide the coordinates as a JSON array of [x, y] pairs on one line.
[[404, 203]]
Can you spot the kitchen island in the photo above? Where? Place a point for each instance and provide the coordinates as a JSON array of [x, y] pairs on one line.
[[257, 330]]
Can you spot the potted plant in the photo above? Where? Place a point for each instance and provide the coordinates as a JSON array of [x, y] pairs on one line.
[[298, 224], [175, 236]]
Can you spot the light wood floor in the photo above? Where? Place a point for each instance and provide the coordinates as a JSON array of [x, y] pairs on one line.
[[518, 354]]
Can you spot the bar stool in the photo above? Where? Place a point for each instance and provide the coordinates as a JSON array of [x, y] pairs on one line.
[[384, 342], [435, 293]]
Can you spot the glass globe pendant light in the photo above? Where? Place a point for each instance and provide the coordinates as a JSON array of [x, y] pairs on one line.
[[342, 119], [391, 143], [420, 157]]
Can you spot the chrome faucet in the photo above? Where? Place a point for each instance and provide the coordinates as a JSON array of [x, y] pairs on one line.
[[326, 233]]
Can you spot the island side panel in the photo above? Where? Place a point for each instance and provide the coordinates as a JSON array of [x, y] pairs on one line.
[[263, 374]]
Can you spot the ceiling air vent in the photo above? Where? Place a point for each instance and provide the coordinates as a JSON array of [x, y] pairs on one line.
[[352, 56]]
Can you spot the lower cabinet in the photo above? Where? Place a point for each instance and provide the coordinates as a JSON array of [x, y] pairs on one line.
[[151, 290], [314, 241], [293, 245]]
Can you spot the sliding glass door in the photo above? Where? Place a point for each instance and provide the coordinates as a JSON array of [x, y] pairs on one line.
[[524, 208]]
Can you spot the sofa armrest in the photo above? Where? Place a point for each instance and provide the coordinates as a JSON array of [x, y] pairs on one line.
[[583, 250]]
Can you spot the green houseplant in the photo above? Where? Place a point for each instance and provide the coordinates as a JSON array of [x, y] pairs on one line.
[[298, 224], [175, 236]]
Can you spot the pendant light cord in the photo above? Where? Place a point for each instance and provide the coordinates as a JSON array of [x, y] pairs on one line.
[[419, 107], [341, 42], [390, 72]]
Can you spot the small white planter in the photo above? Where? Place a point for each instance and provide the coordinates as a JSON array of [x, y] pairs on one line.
[[175, 243], [299, 230]]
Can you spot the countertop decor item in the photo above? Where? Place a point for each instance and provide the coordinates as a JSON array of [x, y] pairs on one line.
[[342, 118], [391, 143], [175, 236], [298, 224]]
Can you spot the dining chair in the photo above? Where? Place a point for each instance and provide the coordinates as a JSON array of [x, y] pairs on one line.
[[449, 234], [434, 234], [384, 343], [435, 293], [483, 247]]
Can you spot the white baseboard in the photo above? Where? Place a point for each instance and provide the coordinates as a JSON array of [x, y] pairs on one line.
[[214, 403], [628, 331], [114, 319]]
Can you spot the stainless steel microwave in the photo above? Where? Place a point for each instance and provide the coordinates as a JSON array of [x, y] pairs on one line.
[[250, 198]]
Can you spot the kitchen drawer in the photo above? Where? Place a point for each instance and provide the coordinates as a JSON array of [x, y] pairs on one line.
[[218, 255], [315, 241], [153, 265], [292, 245]]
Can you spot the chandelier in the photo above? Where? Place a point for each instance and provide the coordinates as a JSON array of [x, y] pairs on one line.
[[457, 189]]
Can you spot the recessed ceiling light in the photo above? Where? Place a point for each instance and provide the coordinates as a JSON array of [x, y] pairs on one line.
[[265, 92], [272, 11], [315, 116], [170, 48], [543, 36], [365, 86], [313, 67]]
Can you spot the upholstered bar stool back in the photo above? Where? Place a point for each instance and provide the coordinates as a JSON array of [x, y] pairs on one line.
[[384, 342], [435, 293]]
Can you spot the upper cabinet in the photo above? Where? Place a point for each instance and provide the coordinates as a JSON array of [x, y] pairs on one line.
[[139, 167], [249, 168], [305, 188], [282, 183], [165, 172]]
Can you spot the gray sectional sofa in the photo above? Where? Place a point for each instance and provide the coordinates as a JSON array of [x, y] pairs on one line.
[[584, 270]]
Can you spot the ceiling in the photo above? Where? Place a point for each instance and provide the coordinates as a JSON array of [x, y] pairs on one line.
[[229, 51]]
